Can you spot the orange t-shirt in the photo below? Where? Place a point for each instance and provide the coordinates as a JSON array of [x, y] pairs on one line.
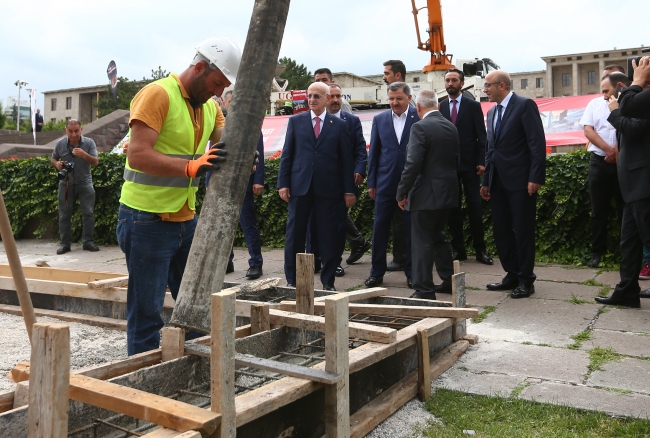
[[150, 106]]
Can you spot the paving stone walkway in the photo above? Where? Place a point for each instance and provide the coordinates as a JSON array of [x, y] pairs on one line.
[[544, 348]]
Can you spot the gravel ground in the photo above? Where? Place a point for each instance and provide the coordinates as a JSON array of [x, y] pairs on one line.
[[88, 345], [406, 422]]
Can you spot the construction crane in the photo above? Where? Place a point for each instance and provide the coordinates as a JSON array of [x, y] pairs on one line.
[[440, 59]]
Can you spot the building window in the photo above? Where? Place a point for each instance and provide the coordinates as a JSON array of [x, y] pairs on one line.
[[539, 83], [606, 55], [591, 77], [68, 103], [569, 58], [53, 104], [53, 120], [524, 84], [566, 79], [552, 59], [416, 79], [596, 56], [578, 58], [623, 53], [634, 52]]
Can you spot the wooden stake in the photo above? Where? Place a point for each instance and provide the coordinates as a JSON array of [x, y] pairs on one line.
[[222, 363], [459, 329], [24, 298], [206, 264], [337, 397], [424, 376], [305, 283], [260, 319], [456, 267], [109, 282], [172, 343], [49, 381]]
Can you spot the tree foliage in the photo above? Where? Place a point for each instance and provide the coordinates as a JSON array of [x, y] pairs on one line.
[[298, 76], [3, 116]]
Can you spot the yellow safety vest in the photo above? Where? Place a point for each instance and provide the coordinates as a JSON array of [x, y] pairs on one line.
[[168, 194]]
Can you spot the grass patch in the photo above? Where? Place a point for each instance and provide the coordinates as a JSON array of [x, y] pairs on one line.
[[618, 391], [481, 316], [592, 282], [519, 389], [353, 288], [526, 343], [472, 288], [579, 339], [599, 356], [603, 310], [575, 300], [604, 291], [512, 417]]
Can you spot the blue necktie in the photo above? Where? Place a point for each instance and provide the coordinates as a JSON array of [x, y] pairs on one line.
[[498, 123]]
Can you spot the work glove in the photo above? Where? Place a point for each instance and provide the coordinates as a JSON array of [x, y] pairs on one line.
[[207, 161]]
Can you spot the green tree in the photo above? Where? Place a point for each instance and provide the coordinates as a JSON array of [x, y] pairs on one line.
[[51, 126], [3, 117], [298, 76]]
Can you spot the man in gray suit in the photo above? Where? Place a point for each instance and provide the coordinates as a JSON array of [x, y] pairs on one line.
[[429, 190]]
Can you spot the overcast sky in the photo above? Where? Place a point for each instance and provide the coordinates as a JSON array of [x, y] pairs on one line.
[[69, 43]]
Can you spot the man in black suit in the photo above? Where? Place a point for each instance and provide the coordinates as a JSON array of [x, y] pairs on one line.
[[633, 135], [515, 169], [38, 119], [429, 189], [467, 115]]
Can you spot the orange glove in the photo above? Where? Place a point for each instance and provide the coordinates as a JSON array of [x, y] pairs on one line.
[[206, 162]]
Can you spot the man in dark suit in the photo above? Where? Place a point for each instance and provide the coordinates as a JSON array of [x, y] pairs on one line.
[[38, 119], [316, 176], [429, 190], [388, 140], [467, 115], [633, 137], [515, 169]]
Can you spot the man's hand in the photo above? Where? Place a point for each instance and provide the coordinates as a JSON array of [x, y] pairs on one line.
[[403, 203], [207, 161], [285, 193], [485, 193], [258, 189], [533, 188], [613, 103], [480, 170], [372, 193], [125, 146], [350, 200], [641, 72], [78, 152], [58, 165], [611, 154], [358, 179]]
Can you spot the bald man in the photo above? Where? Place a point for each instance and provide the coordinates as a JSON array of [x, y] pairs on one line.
[[316, 176], [515, 169]]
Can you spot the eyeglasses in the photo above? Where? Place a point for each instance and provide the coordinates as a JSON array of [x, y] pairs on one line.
[[314, 96], [487, 84]]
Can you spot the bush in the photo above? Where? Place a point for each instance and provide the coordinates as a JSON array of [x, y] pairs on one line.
[[30, 191]]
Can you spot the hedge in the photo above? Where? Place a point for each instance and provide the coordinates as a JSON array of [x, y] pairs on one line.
[[563, 236]]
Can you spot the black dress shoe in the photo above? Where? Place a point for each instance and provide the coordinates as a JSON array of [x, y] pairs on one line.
[[254, 272], [230, 268], [445, 286], [357, 253], [634, 302], [328, 287], [484, 258], [90, 246], [62, 249], [460, 256], [644, 293], [374, 281], [523, 291], [392, 266], [340, 272], [409, 282], [291, 285], [506, 284], [424, 295], [594, 261]]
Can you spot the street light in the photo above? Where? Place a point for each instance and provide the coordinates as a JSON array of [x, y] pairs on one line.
[[20, 84]]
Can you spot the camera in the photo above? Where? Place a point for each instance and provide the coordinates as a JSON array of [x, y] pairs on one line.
[[630, 68], [67, 167]]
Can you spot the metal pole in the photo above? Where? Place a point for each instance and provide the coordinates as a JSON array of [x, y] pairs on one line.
[[18, 112]]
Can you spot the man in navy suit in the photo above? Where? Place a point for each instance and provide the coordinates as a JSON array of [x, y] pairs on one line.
[[316, 178], [467, 115], [515, 169], [388, 140]]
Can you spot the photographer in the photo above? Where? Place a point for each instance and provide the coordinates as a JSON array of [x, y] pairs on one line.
[[72, 157], [634, 101]]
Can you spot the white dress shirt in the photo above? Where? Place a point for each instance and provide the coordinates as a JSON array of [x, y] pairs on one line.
[[337, 114], [595, 115], [321, 117], [399, 122], [504, 104], [429, 112]]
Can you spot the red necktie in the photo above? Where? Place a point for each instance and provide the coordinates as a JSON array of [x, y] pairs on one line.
[[454, 111], [317, 126]]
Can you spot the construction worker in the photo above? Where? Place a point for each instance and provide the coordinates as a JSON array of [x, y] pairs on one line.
[[170, 119]]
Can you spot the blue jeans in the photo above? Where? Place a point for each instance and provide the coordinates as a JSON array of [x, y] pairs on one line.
[[86, 195], [646, 254], [156, 253]]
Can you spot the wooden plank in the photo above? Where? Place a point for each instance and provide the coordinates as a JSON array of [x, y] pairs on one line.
[[243, 307], [109, 282], [337, 396], [6, 401], [168, 433], [172, 343], [365, 332], [362, 294], [305, 283], [424, 376], [49, 381], [222, 362], [471, 338], [58, 274], [458, 297], [97, 321], [21, 395], [413, 311], [260, 319], [456, 266]]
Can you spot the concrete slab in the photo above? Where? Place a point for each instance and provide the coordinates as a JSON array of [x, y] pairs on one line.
[[610, 278], [583, 397], [628, 320], [564, 291], [628, 373], [459, 378], [480, 281], [630, 344], [536, 320], [478, 297], [564, 274], [475, 267], [515, 359]]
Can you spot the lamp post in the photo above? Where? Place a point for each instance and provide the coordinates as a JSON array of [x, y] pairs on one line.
[[20, 84]]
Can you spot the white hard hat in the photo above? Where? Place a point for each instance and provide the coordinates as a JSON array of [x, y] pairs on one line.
[[223, 54]]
